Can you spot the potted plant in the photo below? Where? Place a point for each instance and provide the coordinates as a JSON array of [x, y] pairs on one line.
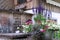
[[39, 17], [42, 27]]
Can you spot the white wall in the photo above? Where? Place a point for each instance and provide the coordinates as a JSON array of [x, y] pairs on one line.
[[56, 16]]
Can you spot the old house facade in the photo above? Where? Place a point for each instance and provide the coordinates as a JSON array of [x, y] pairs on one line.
[[13, 10], [9, 7], [10, 17]]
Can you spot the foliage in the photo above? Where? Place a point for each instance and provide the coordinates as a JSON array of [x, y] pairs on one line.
[[40, 17], [53, 26]]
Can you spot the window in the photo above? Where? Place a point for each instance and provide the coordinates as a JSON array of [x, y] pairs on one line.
[[21, 1]]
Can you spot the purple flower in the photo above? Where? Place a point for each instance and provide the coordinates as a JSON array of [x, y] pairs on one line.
[[33, 9], [40, 9]]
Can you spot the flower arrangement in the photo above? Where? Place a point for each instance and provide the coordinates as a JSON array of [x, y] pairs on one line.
[[45, 26], [40, 17], [41, 27], [53, 27], [28, 26]]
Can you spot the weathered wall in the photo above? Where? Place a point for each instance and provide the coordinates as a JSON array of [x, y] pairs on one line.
[[51, 7], [25, 17], [7, 15], [22, 17], [6, 4], [34, 3]]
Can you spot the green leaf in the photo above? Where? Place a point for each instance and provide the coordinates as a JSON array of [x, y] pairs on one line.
[[40, 17]]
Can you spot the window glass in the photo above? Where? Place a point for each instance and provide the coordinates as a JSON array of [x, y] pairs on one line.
[[21, 1]]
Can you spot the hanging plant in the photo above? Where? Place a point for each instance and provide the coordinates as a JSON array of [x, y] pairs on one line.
[[41, 21], [39, 17]]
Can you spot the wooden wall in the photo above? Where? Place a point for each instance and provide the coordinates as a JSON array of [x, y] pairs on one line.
[[23, 17], [6, 4], [32, 4], [35, 3], [12, 17], [51, 7]]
